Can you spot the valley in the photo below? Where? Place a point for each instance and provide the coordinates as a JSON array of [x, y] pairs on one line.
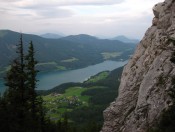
[[87, 66], [84, 102], [51, 79], [66, 53], [76, 73]]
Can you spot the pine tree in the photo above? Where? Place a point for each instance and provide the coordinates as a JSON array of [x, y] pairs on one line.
[[3, 115], [35, 102], [20, 108], [20, 51], [31, 78], [15, 81]]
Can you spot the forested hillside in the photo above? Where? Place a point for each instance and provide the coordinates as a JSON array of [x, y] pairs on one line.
[[82, 103], [70, 52], [70, 107], [21, 110]]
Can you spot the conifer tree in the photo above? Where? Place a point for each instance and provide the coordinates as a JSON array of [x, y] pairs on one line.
[[20, 51], [3, 115], [15, 81], [21, 109], [31, 73], [35, 103]]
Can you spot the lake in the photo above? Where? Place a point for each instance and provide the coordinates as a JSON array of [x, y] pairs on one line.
[[48, 80]]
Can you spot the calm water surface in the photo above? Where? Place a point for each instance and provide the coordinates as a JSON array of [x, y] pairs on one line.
[[48, 80]]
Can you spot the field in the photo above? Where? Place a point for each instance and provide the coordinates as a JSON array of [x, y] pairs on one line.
[[50, 66], [70, 60], [97, 78], [73, 98], [110, 55], [56, 104], [83, 103]]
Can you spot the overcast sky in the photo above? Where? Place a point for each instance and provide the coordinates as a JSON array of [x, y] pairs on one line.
[[94, 17]]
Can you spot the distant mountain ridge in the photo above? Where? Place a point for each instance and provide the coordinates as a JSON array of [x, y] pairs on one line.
[[71, 52], [121, 38], [52, 36], [125, 39]]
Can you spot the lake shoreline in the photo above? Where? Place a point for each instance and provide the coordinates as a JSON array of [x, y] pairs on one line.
[[51, 79]]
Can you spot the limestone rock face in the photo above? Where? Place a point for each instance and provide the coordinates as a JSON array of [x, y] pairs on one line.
[[147, 78]]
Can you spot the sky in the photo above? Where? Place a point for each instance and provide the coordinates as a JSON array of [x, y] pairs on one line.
[[103, 18]]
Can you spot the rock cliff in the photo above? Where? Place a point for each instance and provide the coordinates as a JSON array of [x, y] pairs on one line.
[[146, 84]]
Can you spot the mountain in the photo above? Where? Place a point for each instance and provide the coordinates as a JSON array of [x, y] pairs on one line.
[[70, 52], [146, 100], [51, 36], [125, 39], [81, 38], [96, 42]]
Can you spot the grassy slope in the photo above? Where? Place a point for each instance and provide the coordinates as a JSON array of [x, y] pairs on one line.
[[72, 59], [98, 77], [57, 104], [83, 102], [110, 55]]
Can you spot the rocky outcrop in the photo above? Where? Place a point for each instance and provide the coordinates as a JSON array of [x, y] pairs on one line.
[[147, 78]]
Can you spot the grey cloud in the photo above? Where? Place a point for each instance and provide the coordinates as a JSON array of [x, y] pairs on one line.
[[94, 2], [36, 11], [24, 15], [59, 3], [54, 13], [3, 9], [12, 1], [6, 11], [47, 10], [52, 9]]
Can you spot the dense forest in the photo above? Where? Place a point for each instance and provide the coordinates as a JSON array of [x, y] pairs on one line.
[[71, 52], [23, 109], [83, 103]]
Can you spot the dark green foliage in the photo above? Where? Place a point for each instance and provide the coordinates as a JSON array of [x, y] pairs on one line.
[[90, 118], [86, 49], [87, 119], [87, 114], [102, 92], [161, 81], [4, 117], [21, 110], [65, 126], [93, 92], [98, 95], [31, 73], [59, 89], [103, 98], [15, 99]]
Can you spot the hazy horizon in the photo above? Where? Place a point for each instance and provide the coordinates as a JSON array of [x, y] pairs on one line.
[[93, 17]]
